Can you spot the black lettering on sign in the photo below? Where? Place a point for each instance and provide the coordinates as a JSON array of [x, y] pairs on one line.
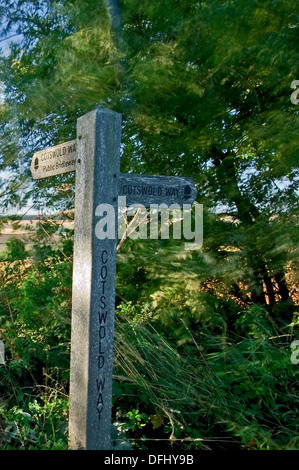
[[102, 302], [102, 329], [103, 272], [100, 385], [102, 332], [102, 317], [172, 192], [103, 286], [104, 257], [142, 190], [100, 401], [100, 348], [101, 362]]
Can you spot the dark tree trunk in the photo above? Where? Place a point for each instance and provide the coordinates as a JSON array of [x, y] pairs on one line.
[[283, 289], [262, 284]]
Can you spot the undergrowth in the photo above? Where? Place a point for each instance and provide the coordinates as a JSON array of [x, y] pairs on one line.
[[216, 377]]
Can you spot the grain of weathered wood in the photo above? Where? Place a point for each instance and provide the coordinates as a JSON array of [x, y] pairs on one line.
[[153, 189], [94, 275]]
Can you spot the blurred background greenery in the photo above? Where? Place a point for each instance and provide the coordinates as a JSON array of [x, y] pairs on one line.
[[202, 341]]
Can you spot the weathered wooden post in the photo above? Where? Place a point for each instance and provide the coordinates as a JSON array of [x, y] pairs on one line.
[[95, 155], [94, 271]]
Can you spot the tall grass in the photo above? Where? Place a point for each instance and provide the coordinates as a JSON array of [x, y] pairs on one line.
[[216, 392]]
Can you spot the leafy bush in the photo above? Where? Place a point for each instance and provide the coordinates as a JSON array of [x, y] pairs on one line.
[[213, 391], [42, 426], [193, 368]]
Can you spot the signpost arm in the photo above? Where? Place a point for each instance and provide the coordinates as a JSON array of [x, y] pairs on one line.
[[94, 271]]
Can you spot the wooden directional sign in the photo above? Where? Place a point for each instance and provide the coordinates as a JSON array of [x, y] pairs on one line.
[[151, 189], [138, 189], [95, 156], [54, 160]]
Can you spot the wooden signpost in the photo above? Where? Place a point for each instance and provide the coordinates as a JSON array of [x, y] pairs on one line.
[[96, 153], [54, 161]]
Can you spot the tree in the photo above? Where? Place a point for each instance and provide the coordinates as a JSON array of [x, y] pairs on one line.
[[204, 90]]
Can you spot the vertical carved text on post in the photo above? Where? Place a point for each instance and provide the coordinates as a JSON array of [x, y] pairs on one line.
[[102, 314]]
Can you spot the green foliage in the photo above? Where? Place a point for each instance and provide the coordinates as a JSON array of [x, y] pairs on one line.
[[236, 384], [35, 328], [191, 364], [204, 91], [137, 420], [35, 315], [202, 337], [42, 427]]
